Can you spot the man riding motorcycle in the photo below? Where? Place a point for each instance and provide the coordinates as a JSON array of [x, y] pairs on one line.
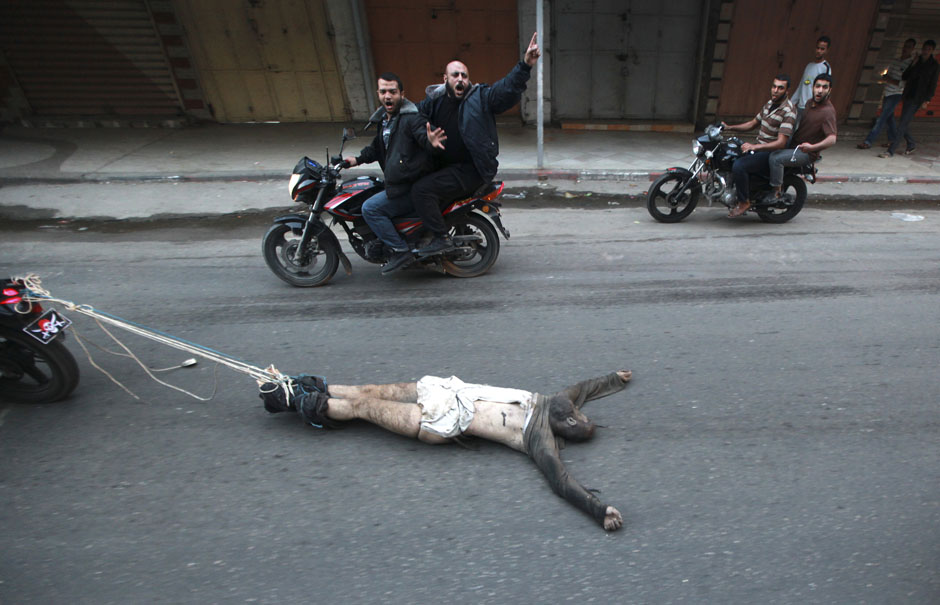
[[402, 147]]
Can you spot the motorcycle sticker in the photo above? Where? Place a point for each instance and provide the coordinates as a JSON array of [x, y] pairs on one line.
[[47, 326]]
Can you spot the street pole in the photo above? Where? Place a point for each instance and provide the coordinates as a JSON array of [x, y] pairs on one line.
[[540, 111]]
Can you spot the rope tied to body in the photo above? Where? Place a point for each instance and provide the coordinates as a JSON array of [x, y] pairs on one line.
[[36, 293]]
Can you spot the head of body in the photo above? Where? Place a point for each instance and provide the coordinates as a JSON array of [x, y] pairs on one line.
[[456, 79], [778, 90], [391, 92], [567, 421], [822, 47], [927, 49], [822, 88], [908, 49]]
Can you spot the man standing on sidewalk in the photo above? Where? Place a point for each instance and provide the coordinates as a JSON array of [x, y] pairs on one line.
[[892, 96], [776, 121], [920, 84], [402, 148], [467, 113], [804, 92]]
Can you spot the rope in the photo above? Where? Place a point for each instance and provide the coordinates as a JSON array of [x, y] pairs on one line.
[[35, 292]]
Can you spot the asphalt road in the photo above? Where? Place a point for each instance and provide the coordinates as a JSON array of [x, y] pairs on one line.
[[779, 442]]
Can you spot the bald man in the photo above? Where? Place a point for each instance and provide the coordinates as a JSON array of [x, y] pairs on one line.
[[466, 112]]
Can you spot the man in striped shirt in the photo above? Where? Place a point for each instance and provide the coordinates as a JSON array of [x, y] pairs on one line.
[[776, 121]]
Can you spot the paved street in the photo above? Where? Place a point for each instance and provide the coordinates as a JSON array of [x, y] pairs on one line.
[[779, 442]]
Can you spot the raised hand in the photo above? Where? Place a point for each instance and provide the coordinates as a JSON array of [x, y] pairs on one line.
[[533, 53], [436, 136]]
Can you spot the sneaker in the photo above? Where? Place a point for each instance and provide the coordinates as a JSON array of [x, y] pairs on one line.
[[437, 245], [398, 260]]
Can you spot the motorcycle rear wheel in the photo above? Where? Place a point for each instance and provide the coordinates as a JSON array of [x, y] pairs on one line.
[[316, 267], [33, 372], [477, 247], [794, 186], [662, 203]]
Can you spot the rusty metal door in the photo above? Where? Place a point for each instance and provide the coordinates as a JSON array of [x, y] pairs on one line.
[[634, 59], [772, 37], [417, 38], [263, 61]]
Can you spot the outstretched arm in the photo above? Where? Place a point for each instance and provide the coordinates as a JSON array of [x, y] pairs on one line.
[[595, 388], [505, 93], [544, 452]]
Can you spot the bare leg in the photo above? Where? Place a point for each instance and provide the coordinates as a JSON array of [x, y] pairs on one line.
[[398, 417], [400, 391]]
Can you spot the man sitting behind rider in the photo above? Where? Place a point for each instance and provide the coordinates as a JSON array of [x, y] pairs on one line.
[[402, 148], [776, 120], [817, 131]]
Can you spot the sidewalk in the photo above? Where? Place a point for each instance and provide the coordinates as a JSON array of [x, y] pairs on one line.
[[574, 159]]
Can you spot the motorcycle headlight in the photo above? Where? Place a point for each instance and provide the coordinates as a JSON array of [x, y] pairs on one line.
[[696, 147], [294, 179]]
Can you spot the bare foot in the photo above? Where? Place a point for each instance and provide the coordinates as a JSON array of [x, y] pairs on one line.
[[612, 519], [625, 375]]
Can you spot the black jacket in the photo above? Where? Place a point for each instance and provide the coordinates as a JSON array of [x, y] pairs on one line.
[[920, 80], [408, 156], [476, 116]]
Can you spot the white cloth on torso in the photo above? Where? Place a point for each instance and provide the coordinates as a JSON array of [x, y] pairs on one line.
[[448, 404]]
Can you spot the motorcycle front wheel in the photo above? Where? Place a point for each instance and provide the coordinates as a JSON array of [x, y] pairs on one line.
[[664, 202], [477, 247], [796, 188], [33, 372], [315, 267]]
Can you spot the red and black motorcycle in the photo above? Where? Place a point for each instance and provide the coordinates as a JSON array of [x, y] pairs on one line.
[[35, 367], [301, 249]]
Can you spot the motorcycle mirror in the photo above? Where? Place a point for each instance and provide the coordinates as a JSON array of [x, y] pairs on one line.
[[349, 134]]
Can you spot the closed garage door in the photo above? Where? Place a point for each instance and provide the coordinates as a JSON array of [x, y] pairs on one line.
[[88, 57], [633, 59]]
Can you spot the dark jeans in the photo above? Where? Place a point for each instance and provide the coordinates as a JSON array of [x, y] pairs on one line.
[[886, 119], [449, 183], [908, 109], [379, 210], [746, 165]]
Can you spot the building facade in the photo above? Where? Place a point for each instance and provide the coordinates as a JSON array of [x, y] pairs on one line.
[[690, 61]]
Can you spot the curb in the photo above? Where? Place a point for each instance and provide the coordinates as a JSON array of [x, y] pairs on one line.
[[510, 174]]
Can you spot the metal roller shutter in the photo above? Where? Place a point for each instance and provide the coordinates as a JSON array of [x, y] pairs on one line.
[[87, 57]]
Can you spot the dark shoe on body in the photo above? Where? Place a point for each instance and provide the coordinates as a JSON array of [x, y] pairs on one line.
[[398, 260], [438, 245]]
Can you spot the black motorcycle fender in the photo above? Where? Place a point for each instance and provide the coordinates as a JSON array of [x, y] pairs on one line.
[[296, 223], [492, 212], [686, 175]]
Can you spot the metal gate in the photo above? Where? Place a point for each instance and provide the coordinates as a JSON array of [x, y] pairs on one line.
[[417, 38], [634, 59], [261, 61], [87, 57]]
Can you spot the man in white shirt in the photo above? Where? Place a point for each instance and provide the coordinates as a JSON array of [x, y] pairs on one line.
[[804, 92]]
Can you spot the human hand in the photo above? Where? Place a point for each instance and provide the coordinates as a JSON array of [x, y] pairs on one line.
[[804, 147], [612, 519], [747, 147], [625, 375], [436, 136], [351, 161], [532, 53], [925, 104]]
